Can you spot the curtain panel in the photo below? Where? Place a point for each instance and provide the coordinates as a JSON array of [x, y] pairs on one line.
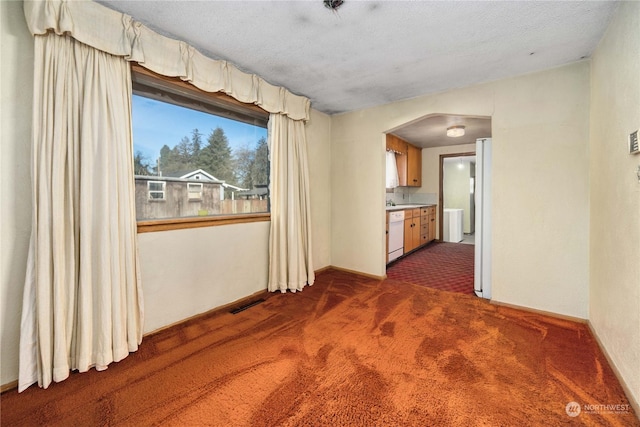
[[82, 303], [118, 34], [290, 256]]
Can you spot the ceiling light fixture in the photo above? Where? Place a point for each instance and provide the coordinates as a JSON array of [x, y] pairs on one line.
[[333, 4], [455, 131]]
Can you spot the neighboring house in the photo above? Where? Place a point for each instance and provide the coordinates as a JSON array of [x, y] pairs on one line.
[[170, 197], [192, 193], [199, 174]]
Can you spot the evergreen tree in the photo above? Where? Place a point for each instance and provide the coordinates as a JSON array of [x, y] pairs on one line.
[[176, 159], [216, 157]]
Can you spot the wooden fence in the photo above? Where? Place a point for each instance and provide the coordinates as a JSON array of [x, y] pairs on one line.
[[243, 206]]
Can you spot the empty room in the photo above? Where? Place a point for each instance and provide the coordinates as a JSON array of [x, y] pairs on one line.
[[338, 212]]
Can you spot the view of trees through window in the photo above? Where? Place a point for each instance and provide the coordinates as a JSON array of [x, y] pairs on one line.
[[230, 160]]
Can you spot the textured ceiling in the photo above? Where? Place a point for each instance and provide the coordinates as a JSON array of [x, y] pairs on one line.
[[375, 52]]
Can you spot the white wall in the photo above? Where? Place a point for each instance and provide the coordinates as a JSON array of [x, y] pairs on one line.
[[184, 272], [614, 310], [358, 195], [187, 272], [540, 181], [16, 81]]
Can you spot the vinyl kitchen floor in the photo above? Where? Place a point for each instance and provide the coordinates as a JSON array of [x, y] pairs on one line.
[[439, 265]]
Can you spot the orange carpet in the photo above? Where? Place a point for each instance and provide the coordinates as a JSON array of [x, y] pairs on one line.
[[348, 351]]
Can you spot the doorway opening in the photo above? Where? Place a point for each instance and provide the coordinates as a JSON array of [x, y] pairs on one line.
[[456, 197], [453, 140]]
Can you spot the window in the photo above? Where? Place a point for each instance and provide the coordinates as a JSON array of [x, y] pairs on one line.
[[156, 190], [205, 155], [194, 191]]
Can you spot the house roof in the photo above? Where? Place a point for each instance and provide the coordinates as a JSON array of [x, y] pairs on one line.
[[188, 174], [200, 175], [175, 179]]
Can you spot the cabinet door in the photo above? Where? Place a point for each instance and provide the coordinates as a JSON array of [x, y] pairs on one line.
[[414, 166], [416, 232], [396, 144], [408, 235]]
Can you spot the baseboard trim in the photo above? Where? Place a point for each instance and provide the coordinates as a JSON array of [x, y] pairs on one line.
[[8, 386], [627, 390], [359, 273], [265, 294], [322, 270], [542, 312]]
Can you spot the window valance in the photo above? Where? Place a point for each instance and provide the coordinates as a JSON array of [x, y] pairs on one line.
[[119, 34]]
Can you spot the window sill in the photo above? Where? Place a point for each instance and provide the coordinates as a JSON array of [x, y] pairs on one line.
[[148, 226]]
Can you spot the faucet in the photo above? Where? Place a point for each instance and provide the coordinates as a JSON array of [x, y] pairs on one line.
[[390, 202]]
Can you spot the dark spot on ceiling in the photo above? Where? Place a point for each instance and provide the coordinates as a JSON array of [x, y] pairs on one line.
[[333, 4], [302, 19], [373, 6]]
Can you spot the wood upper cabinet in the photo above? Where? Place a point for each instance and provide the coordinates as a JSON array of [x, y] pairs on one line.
[[408, 161], [414, 166], [396, 144]]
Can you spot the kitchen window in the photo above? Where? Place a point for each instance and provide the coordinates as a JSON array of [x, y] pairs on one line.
[[205, 155]]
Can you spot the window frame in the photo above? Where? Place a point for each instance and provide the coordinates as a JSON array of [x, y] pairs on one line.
[[163, 191], [190, 192], [155, 86]]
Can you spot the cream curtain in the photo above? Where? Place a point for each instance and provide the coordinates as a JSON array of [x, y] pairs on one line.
[[290, 257], [392, 179], [118, 34], [82, 302]]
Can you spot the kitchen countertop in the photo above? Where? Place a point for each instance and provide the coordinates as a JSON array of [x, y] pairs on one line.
[[408, 206]]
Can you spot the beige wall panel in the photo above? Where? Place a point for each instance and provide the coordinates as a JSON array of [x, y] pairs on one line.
[[614, 309], [16, 91]]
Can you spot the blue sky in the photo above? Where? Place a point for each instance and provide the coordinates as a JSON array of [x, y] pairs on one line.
[[158, 123]]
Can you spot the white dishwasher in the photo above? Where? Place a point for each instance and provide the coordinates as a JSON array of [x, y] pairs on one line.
[[396, 234]]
